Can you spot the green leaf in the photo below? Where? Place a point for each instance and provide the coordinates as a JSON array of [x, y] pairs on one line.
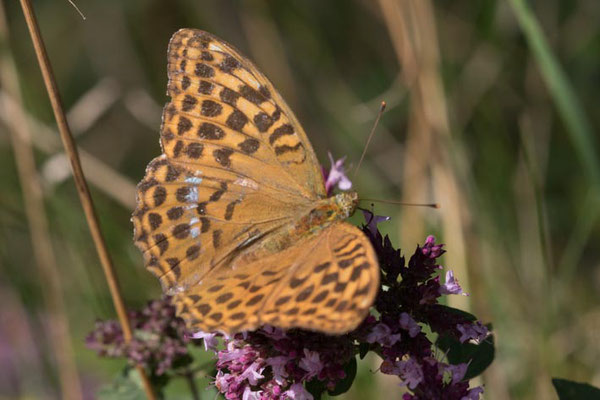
[[452, 310], [569, 390], [344, 385], [363, 349], [479, 355], [316, 388], [126, 386]]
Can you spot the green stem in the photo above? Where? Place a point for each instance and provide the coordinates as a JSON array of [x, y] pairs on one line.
[[192, 384]]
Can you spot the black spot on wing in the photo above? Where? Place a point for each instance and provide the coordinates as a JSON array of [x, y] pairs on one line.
[[285, 129], [249, 145], [279, 150], [204, 71]]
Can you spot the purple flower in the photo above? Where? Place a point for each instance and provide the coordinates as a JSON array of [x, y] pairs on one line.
[[473, 394], [411, 294], [253, 373], [311, 363], [475, 331], [159, 342], [273, 332], [430, 249], [411, 373], [337, 176], [409, 324], [451, 286], [457, 371], [239, 368], [372, 221], [250, 394], [269, 363], [382, 334], [278, 364], [210, 339], [222, 381], [297, 392]]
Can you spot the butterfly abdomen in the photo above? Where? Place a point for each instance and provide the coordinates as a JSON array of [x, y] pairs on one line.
[[317, 218]]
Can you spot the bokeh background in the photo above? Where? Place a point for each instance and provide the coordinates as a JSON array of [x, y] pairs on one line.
[[492, 112]]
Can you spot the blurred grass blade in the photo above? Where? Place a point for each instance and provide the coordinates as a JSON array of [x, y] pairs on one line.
[[584, 226], [577, 124], [562, 93]]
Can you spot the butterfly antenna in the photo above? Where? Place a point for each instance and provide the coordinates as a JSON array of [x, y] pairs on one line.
[[77, 9], [401, 203], [379, 114]]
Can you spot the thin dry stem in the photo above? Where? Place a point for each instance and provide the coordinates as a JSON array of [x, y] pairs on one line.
[[414, 174], [80, 182], [412, 27], [430, 127], [43, 253], [445, 181]]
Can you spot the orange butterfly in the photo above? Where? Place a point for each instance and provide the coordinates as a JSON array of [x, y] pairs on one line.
[[234, 218]]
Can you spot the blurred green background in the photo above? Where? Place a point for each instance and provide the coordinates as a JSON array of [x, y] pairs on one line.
[[492, 112]]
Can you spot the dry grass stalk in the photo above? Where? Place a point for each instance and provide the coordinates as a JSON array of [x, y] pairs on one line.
[[43, 253], [80, 182], [412, 27]]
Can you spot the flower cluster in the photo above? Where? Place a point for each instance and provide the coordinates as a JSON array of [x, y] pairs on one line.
[[159, 340], [409, 297], [272, 364]]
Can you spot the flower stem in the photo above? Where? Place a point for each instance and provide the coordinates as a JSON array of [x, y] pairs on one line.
[[189, 376]]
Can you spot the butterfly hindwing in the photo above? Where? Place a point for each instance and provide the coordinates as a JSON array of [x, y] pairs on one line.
[[332, 288], [327, 283]]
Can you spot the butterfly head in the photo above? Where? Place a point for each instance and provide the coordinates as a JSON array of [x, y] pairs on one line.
[[347, 202]]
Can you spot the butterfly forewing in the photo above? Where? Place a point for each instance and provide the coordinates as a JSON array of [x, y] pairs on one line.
[[187, 225], [225, 114]]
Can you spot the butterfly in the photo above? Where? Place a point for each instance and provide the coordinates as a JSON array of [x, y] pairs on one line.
[[233, 218]]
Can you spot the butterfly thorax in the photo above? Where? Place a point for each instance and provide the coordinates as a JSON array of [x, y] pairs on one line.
[[346, 204], [316, 218], [325, 212]]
